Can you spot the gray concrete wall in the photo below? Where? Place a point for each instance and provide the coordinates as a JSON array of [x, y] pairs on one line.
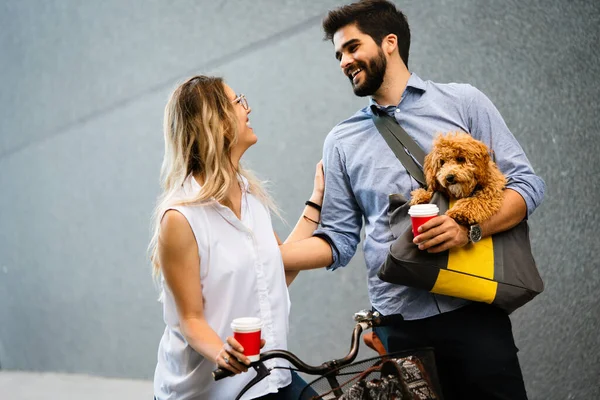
[[83, 86]]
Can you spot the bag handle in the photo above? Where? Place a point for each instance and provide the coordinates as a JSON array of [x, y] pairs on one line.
[[403, 146]]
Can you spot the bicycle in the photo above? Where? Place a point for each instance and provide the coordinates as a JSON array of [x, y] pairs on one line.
[[409, 374]]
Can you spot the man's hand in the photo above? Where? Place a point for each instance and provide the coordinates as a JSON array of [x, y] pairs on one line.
[[441, 233]]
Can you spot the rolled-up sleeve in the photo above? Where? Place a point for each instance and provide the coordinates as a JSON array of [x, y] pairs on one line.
[[341, 219], [486, 124]]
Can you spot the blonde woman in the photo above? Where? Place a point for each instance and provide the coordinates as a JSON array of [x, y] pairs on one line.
[[215, 251]]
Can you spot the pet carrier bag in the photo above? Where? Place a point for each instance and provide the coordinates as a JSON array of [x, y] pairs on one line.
[[498, 270]]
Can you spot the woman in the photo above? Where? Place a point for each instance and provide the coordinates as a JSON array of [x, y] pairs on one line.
[[215, 250]]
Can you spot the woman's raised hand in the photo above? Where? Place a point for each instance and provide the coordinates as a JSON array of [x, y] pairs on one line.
[[319, 185]]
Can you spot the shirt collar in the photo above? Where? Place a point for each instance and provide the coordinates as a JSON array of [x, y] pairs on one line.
[[244, 183], [414, 83]]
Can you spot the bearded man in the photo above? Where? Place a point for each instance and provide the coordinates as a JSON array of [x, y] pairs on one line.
[[474, 347]]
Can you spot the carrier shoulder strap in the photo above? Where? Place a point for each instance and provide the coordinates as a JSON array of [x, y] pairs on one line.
[[403, 146]]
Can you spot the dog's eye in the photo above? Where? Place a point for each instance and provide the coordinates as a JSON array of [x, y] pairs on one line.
[[442, 162], [460, 159]]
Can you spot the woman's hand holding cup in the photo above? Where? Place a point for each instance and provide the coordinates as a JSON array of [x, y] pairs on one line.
[[232, 358]]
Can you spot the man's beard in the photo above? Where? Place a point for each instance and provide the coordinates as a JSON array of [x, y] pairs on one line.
[[374, 73]]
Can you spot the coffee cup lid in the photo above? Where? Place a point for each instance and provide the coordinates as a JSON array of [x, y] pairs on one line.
[[246, 324], [423, 210]]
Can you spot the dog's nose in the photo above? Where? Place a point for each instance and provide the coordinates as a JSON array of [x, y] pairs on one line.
[[450, 178]]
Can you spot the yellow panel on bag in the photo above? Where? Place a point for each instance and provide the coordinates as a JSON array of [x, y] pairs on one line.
[[474, 258], [468, 287]]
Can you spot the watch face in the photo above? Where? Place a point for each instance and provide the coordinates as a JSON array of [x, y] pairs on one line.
[[475, 233]]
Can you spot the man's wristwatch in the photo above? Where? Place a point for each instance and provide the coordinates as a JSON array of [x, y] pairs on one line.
[[474, 233]]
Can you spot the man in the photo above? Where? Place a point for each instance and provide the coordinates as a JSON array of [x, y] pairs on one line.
[[474, 346]]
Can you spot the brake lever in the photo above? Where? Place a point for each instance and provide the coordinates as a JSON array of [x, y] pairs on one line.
[[367, 317]]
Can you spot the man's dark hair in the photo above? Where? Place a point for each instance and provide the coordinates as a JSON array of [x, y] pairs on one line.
[[376, 18]]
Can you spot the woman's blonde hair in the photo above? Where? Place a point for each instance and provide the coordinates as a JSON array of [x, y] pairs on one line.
[[200, 129]]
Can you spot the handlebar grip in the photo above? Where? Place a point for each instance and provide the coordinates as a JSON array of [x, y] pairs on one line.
[[221, 373]]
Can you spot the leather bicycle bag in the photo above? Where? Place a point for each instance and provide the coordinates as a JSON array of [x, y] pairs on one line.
[[498, 270]]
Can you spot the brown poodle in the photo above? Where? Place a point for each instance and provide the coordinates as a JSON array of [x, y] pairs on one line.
[[461, 167]]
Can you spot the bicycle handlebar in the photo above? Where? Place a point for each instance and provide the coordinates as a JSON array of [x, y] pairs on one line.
[[221, 373]]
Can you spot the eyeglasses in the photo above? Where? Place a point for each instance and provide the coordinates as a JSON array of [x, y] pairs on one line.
[[242, 100]]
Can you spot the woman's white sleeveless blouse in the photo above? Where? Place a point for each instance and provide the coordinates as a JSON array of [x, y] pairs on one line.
[[242, 275]]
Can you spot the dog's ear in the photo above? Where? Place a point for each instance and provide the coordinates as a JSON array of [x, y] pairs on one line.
[[431, 167], [481, 159]]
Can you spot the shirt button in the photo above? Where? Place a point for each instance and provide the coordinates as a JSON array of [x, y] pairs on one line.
[[397, 110]]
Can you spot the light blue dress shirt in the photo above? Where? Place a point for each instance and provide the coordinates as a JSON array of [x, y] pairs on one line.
[[361, 171]]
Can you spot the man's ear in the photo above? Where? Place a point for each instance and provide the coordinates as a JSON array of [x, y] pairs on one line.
[[389, 44]]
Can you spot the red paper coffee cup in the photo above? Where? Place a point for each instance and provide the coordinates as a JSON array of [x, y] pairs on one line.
[[247, 332], [421, 213]]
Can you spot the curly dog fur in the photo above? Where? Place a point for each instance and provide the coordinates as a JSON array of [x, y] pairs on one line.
[[461, 167]]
